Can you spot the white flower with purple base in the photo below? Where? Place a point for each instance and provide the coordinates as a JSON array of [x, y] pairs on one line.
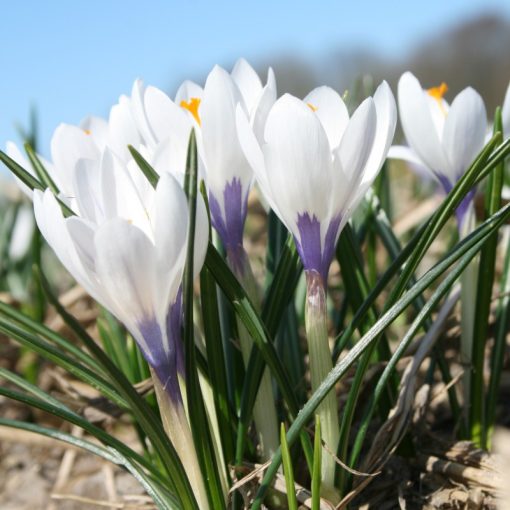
[[315, 164], [228, 174], [443, 139]]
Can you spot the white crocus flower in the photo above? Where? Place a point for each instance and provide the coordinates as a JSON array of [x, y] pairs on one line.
[[314, 164], [227, 173], [129, 253], [443, 138]]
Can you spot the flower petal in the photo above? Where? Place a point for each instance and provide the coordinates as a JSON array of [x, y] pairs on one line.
[[298, 161], [331, 110], [123, 130], [224, 159], [125, 264], [408, 155], [265, 102], [464, 131], [188, 90], [248, 82], [386, 111], [164, 117], [505, 113], [68, 145], [418, 126]]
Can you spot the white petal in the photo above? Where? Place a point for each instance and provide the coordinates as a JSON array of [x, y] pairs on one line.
[[123, 131], [357, 140], [265, 103], [138, 110], [68, 145], [187, 91], [125, 264], [505, 113], [170, 223], [53, 227], [418, 126], [331, 110], [386, 112], [97, 128], [87, 189], [298, 160], [248, 82], [119, 195], [224, 159], [464, 131], [407, 154], [163, 115]]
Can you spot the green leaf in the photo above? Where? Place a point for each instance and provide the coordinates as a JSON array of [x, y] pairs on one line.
[[61, 343], [41, 172], [148, 171], [478, 426], [23, 175], [288, 471], [317, 461], [30, 388], [72, 366], [216, 362], [196, 408]]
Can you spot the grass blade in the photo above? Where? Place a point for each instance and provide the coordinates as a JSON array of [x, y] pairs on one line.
[[288, 471], [477, 423], [196, 408]]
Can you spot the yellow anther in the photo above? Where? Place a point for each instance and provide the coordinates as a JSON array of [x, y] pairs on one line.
[[86, 131], [438, 92], [312, 107], [192, 107]]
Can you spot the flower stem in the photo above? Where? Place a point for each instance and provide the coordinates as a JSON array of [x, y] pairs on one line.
[[320, 365], [264, 409], [468, 294], [178, 431]]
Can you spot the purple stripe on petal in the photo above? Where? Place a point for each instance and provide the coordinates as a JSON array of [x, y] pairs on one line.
[[174, 331], [309, 243], [164, 364], [463, 207], [230, 226], [314, 256]]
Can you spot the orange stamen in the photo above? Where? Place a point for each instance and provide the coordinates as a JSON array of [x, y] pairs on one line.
[[192, 107]]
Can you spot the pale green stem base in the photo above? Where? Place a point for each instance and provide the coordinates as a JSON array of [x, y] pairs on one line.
[[212, 419], [264, 409], [177, 428], [320, 365], [468, 281]]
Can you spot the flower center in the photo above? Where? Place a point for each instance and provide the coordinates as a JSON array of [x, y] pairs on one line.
[[437, 93], [86, 131], [312, 107], [192, 107]]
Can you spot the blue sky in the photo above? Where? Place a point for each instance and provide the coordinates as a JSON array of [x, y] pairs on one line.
[[71, 59]]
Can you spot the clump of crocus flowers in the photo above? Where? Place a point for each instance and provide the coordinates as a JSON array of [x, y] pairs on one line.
[[125, 240]]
